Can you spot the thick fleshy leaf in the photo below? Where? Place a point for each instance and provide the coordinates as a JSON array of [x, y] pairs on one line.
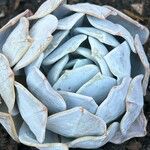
[[6, 29], [84, 52], [51, 141], [41, 33], [68, 22], [32, 111], [100, 35], [114, 29], [68, 47], [17, 42], [46, 8], [90, 142], [137, 129], [57, 39], [82, 62], [76, 122], [134, 104], [144, 61], [116, 97], [98, 87], [7, 91], [98, 52], [56, 70], [37, 63], [40, 87], [118, 60], [76, 100], [131, 25], [90, 9], [72, 80]]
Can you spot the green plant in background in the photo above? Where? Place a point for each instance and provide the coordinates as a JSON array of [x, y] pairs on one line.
[[73, 76]]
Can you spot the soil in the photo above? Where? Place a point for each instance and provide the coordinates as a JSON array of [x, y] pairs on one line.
[[10, 8]]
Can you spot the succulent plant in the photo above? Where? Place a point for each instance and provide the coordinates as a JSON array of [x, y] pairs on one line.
[[73, 76]]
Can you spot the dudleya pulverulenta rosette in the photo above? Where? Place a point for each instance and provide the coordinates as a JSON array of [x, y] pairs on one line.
[[73, 76]]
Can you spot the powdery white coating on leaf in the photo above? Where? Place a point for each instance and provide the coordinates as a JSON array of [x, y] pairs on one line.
[[40, 87], [57, 39], [144, 60], [68, 47], [77, 100], [55, 71], [7, 91], [36, 118], [17, 42], [117, 96], [98, 52], [90, 9], [131, 25], [137, 129], [71, 123], [41, 33], [100, 35], [46, 8], [97, 87], [134, 104], [72, 80], [51, 140], [118, 60], [68, 22], [82, 62], [114, 29], [95, 141]]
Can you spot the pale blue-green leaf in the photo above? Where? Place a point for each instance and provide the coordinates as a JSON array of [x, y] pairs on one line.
[[57, 39], [71, 63], [72, 80], [144, 61], [90, 9], [7, 91], [76, 122], [131, 25], [40, 87], [134, 104], [55, 71], [46, 8], [84, 52], [75, 100], [68, 47], [18, 42], [118, 60], [98, 52], [137, 129], [100, 35], [98, 87], [114, 29], [114, 105], [93, 142], [32, 111], [68, 22], [41, 33], [51, 141], [82, 62]]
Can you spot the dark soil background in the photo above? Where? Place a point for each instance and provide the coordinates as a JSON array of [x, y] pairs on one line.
[[10, 8]]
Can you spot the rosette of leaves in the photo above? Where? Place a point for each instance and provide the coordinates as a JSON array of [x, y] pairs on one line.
[[73, 76]]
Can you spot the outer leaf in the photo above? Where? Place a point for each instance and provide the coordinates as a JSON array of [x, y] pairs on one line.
[[76, 122], [36, 118], [116, 97], [76, 100], [97, 87], [39, 86], [7, 83], [134, 104], [68, 47], [72, 80], [46, 8], [17, 42], [90, 9], [41, 33]]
